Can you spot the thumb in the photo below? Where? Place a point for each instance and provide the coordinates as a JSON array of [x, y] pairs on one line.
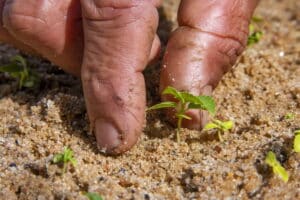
[[118, 37], [210, 37]]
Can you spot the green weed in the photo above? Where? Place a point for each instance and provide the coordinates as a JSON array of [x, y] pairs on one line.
[[220, 126], [254, 34], [184, 102], [65, 158], [289, 116], [93, 196], [297, 141], [276, 166], [19, 69]]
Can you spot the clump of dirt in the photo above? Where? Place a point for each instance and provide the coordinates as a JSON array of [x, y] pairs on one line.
[[264, 86]]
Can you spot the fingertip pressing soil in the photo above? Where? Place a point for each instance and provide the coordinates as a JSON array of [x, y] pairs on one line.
[[256, 94]]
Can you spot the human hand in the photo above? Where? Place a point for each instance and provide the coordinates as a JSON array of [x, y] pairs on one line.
[[109, 42]]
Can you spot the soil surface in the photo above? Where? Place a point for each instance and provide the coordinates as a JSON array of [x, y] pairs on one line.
[[262, 88]]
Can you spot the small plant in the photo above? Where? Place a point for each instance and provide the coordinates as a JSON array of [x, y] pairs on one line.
[[185, 102], [254, 34], [297, 141], [18, 69], [220, 126], [66, 157], [276, 166], [289, 116], [93, 196]]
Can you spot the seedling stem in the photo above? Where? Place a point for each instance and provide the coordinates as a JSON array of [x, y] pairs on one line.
[[220, 126], [66, 157], [185, 101]]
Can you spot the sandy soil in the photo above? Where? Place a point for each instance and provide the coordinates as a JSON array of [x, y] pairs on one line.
[[37, 123]]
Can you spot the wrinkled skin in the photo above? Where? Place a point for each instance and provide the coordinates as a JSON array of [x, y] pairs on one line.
[[108, 43]]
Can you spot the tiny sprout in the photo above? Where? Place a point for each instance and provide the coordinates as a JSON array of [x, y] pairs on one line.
[[256, 19], [254, 34], [66, 157], [18, 69], [297, 141], [93, 196], [220, 126], [290, 116], [185, 102], [254, 37], [276, 166]]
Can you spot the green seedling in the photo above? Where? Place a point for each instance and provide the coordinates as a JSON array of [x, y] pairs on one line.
[[254, 35], [184, 102], [19, 69], [297, 141], [93, 196], [66, 158], [256, 19], [276, 166], [220, 126], [289, 116]]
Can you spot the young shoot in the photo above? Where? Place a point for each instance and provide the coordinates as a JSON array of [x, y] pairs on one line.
[[276, 166], [254, 35], [297, 141], [184, 102], [93, 196], [289, 116], [65, 158], [19, 69], [220, 126]]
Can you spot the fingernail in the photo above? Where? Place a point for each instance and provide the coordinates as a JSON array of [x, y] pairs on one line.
[[204, 115], [107, 136]]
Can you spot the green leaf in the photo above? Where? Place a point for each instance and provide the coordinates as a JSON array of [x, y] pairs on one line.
[[58, 158], [205, 103], [175, 93], [271, 159], [297, 141], [289, 116], [11, 68], [256, 19], [65, 157], [184, 116], [68, 156], [195, 102], [195, 106], [276, 166], [281, 172], [18, 69], [32, 80], [73, 161], [297, 132], [217, 124], [254, 37], [93, 196], [210, 126], [166, 104], [208, 104], [190, 98], [20, 59], [227, 125], [251, 28]]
